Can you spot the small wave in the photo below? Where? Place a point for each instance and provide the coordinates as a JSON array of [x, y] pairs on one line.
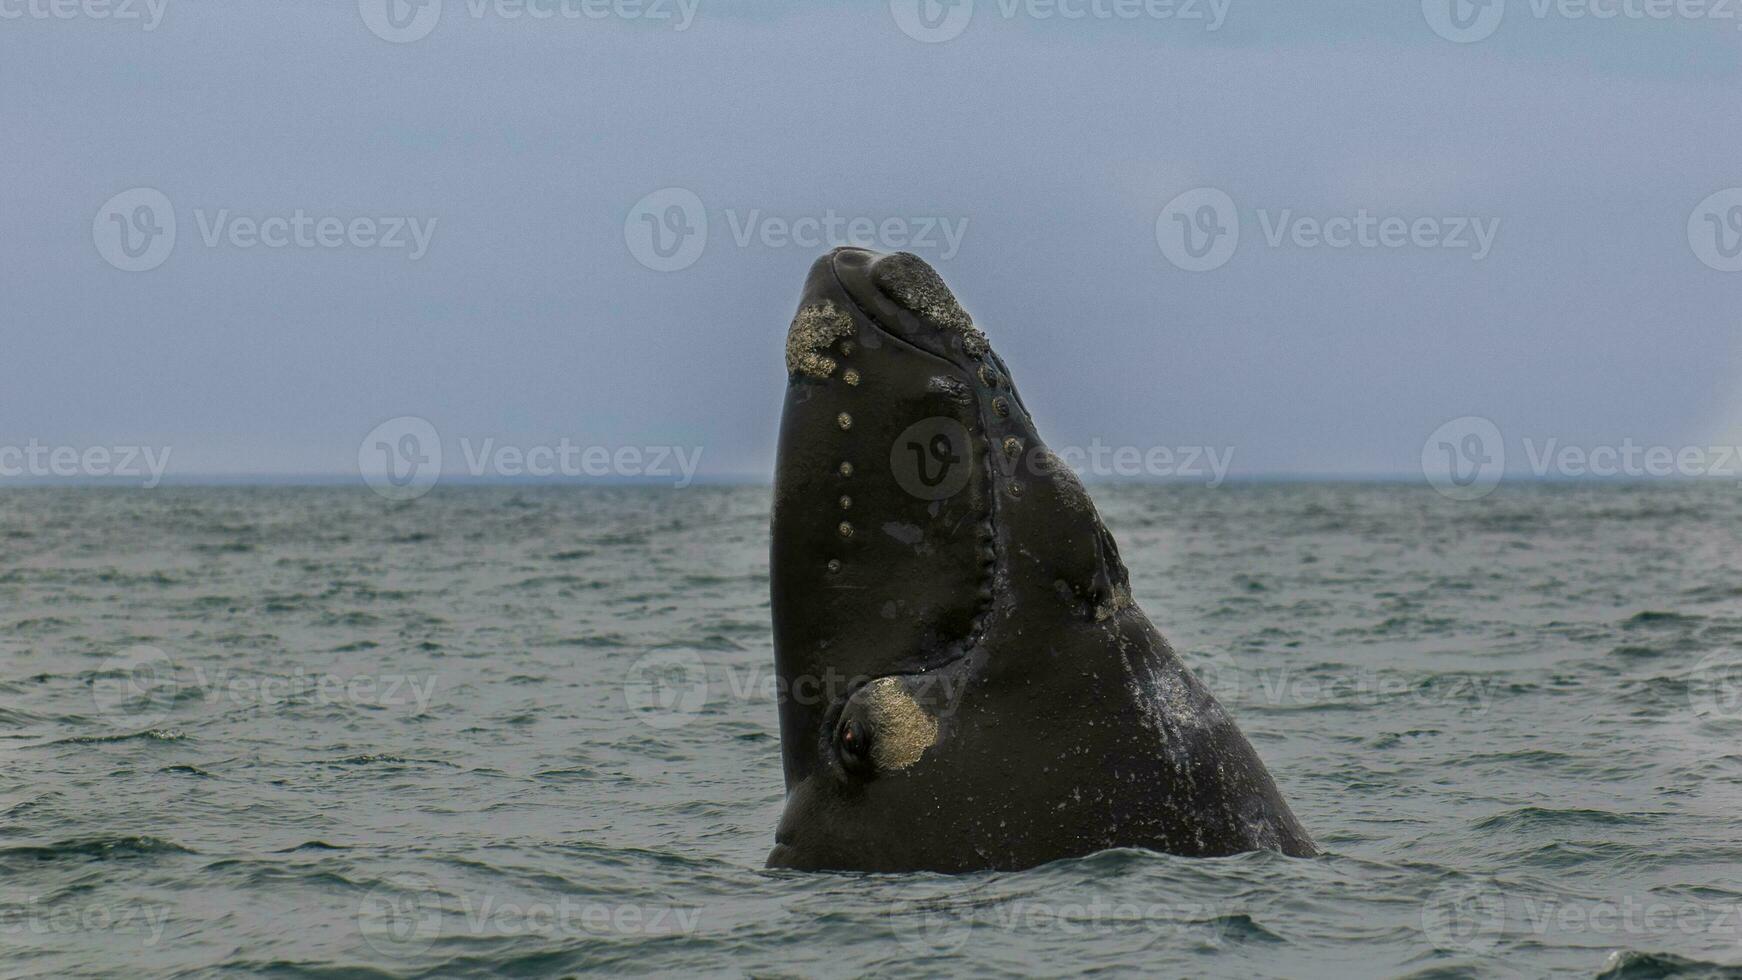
[[1627, 964], [93, 848], [38, 626], [1635, 652], [378, 758], [1536, 816], [225, 548], [186, 771], [595, 640], [148, 735], [1655, 619], [1241, 928]]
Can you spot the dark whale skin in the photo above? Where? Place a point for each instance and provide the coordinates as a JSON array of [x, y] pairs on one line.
[[965, 680]]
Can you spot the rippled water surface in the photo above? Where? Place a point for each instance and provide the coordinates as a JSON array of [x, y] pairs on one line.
[[307, 732]]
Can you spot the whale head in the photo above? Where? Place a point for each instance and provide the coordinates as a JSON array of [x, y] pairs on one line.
[[954, 635]]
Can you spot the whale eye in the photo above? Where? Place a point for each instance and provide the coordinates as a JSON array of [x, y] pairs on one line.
[[853, 739]]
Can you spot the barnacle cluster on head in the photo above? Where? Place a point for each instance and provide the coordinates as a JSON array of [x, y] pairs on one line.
[[815, 328], [910, 281]]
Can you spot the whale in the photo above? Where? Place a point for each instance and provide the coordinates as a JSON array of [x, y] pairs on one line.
[[964, 679]]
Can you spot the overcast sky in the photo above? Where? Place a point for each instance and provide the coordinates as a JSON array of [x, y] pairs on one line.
[[1548, 266]]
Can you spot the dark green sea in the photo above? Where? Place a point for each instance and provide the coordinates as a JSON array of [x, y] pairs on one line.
[[304, 732]]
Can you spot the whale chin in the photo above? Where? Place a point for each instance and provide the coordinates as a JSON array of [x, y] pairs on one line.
[[966, 681]]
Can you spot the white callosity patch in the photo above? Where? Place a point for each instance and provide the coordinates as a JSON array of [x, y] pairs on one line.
[[813, 330], [908, 280], [902, 730]]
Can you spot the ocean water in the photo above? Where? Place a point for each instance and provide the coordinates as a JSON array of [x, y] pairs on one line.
[[528, 732]]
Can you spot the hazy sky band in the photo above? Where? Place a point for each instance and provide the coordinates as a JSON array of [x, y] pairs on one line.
[[1032, 157]]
